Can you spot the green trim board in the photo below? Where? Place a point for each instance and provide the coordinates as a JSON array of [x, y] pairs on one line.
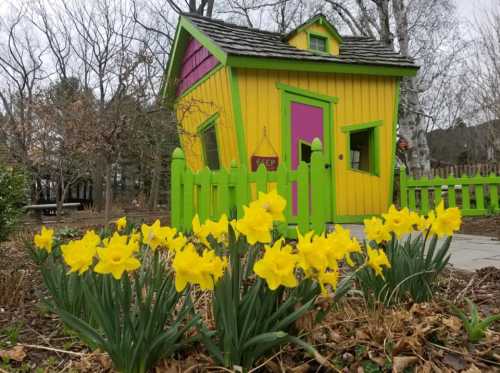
[[374, 143], [287, 98], [394, 139], [211, 121], [303, 92], [238, 116], [321, 36], [320, 66]]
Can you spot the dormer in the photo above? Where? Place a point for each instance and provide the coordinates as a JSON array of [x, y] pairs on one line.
[[316, 35]]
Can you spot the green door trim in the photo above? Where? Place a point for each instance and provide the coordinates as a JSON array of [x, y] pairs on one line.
[[328, 143], [394, 139]]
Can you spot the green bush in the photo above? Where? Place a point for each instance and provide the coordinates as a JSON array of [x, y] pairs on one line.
[[12, 199]]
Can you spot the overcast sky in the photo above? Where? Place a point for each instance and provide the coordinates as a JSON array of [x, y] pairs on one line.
[[468, 9]]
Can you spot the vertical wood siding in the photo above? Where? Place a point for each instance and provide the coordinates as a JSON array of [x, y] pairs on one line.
[[361, 99], [210, 97]]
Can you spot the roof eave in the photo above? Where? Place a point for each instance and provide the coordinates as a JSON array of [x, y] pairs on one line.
[[320, 66]]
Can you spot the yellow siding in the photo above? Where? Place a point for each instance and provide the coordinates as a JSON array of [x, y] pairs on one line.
[[300, 40], [361, 99], [210, 97]]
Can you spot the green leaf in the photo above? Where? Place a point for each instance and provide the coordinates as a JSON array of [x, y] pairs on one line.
[[264, 338]]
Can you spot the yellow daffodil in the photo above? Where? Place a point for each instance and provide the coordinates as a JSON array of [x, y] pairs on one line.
[[376, 260], [256, 225], [116, 256], [272, 203], [45, 239], [200, 230], [155, 235], [91, 238], [135, 238], [121, 223], [218, 230], [341, 246], [421, 223], [311, 252], [375, 230], [235, 229], [398, 221], [176, 243], [79, 254], [328, 278], [277, 266], [190, 267], [447, 221]]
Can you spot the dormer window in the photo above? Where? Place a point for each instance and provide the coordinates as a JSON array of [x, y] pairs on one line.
[[318, 43]]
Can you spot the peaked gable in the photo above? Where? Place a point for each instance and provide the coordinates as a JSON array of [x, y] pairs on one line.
[[196, 63]]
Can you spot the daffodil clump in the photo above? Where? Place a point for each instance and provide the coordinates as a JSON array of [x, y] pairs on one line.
[[116, 289], [409, 243]]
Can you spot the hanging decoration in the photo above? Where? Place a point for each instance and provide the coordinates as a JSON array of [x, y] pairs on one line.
[[265, 154]]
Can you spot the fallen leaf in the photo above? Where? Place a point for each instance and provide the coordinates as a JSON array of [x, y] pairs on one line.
[[453, 323], [16, 353], [455, 361], [399, 363], [362, 335], [472, 369]]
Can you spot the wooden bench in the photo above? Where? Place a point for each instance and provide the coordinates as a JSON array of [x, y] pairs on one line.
[[50, 208]]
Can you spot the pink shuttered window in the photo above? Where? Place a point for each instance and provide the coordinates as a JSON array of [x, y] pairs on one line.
[[196, 63]]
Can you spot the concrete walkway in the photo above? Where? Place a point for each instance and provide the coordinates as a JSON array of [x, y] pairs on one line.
[[467, 251]]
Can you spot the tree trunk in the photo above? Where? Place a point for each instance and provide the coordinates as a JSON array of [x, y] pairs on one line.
[[108, 195], [411, 125], [155, 181], [97, 187]]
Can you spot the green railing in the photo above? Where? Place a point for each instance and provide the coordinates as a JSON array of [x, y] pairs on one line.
[[213, 193], [475, 195]]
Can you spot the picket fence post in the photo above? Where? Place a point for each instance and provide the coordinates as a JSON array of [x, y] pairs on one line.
[[178, 167], [402, 187]]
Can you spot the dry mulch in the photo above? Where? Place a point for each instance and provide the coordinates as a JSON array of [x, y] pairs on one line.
[[482, 226], [353, 338]]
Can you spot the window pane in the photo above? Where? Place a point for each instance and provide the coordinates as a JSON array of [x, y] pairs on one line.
[[361, 151], [209, 140], [305, 152], [318, 43]]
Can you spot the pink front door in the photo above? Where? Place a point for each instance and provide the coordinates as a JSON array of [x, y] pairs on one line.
[[306, 124]]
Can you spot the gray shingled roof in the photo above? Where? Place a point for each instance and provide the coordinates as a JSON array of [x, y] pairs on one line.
[[244, 41]]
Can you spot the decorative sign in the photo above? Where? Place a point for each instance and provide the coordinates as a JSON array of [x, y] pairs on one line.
[[271, 163]]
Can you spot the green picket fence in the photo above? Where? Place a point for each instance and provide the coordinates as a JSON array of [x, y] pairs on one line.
[[474, 195], [213, 193]]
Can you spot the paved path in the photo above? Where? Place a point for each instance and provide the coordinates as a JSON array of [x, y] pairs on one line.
[[467, 251]]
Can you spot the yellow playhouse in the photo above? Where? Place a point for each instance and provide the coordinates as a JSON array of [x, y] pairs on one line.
[[256, 97]]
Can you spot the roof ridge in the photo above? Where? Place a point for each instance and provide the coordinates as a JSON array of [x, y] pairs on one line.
[[226, 23]]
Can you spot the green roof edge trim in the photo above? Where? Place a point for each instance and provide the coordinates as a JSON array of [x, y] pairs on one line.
[[175, 60], [312, 66]]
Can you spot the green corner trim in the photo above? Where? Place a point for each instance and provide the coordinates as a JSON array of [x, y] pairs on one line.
[[374, 145], [318, 35], [201, 81], [394, 139], [320, 66], [211, 121], [362, 126], [238, 116], [204, 40], [306, 93]]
